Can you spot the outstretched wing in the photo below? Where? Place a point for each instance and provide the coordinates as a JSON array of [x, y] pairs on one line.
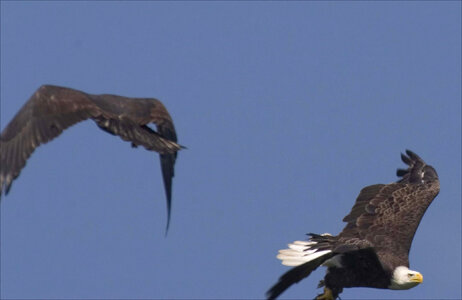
[[387, 215], [48, 112], [51, 109]]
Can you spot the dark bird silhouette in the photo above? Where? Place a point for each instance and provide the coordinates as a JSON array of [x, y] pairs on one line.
[[52, 109], [373, 248]]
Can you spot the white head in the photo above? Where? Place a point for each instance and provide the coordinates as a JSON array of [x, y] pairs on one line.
[[404, 279]]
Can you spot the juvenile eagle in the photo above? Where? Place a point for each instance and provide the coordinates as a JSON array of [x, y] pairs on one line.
[[373, 248], [52, 109]]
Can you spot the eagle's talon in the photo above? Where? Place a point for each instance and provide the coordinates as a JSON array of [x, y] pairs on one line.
[[326, 296]]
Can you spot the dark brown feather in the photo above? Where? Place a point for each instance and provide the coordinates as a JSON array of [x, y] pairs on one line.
[[52, 109], [387, 216], [293, 276], [378, 234]]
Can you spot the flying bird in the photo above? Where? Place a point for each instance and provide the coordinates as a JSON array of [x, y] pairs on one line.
[[52, 109], [373, 248]]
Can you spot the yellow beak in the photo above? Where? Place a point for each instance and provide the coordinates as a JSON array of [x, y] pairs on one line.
[[417, 278]]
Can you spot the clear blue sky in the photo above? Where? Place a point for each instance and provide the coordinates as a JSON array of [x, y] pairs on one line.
[[288, 109]]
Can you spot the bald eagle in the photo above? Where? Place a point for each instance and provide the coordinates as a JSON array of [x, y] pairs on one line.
[[52, 109], [373, 248]]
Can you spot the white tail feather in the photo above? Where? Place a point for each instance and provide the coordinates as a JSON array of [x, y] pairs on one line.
[[300, 252], [306, 243]]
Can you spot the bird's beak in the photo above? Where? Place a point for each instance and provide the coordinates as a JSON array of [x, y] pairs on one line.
[[417, 278]]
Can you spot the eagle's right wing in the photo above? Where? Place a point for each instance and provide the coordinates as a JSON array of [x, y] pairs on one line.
[[387, 215]]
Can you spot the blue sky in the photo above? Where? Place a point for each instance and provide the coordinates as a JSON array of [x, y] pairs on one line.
[[288, 109]]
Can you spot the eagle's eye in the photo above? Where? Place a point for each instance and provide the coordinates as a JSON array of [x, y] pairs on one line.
[[409, 275]]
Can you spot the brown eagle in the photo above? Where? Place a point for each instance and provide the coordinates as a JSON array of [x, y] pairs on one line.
[[373, 248], [52, 109]]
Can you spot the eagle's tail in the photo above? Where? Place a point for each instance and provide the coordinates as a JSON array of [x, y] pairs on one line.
[[305, 257], [300, 252]]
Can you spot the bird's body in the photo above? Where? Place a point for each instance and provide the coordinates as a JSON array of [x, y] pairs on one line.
[[52, 109], [373, 248]]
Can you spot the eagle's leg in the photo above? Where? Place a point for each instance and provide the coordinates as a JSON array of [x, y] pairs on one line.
[[328, 295]]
